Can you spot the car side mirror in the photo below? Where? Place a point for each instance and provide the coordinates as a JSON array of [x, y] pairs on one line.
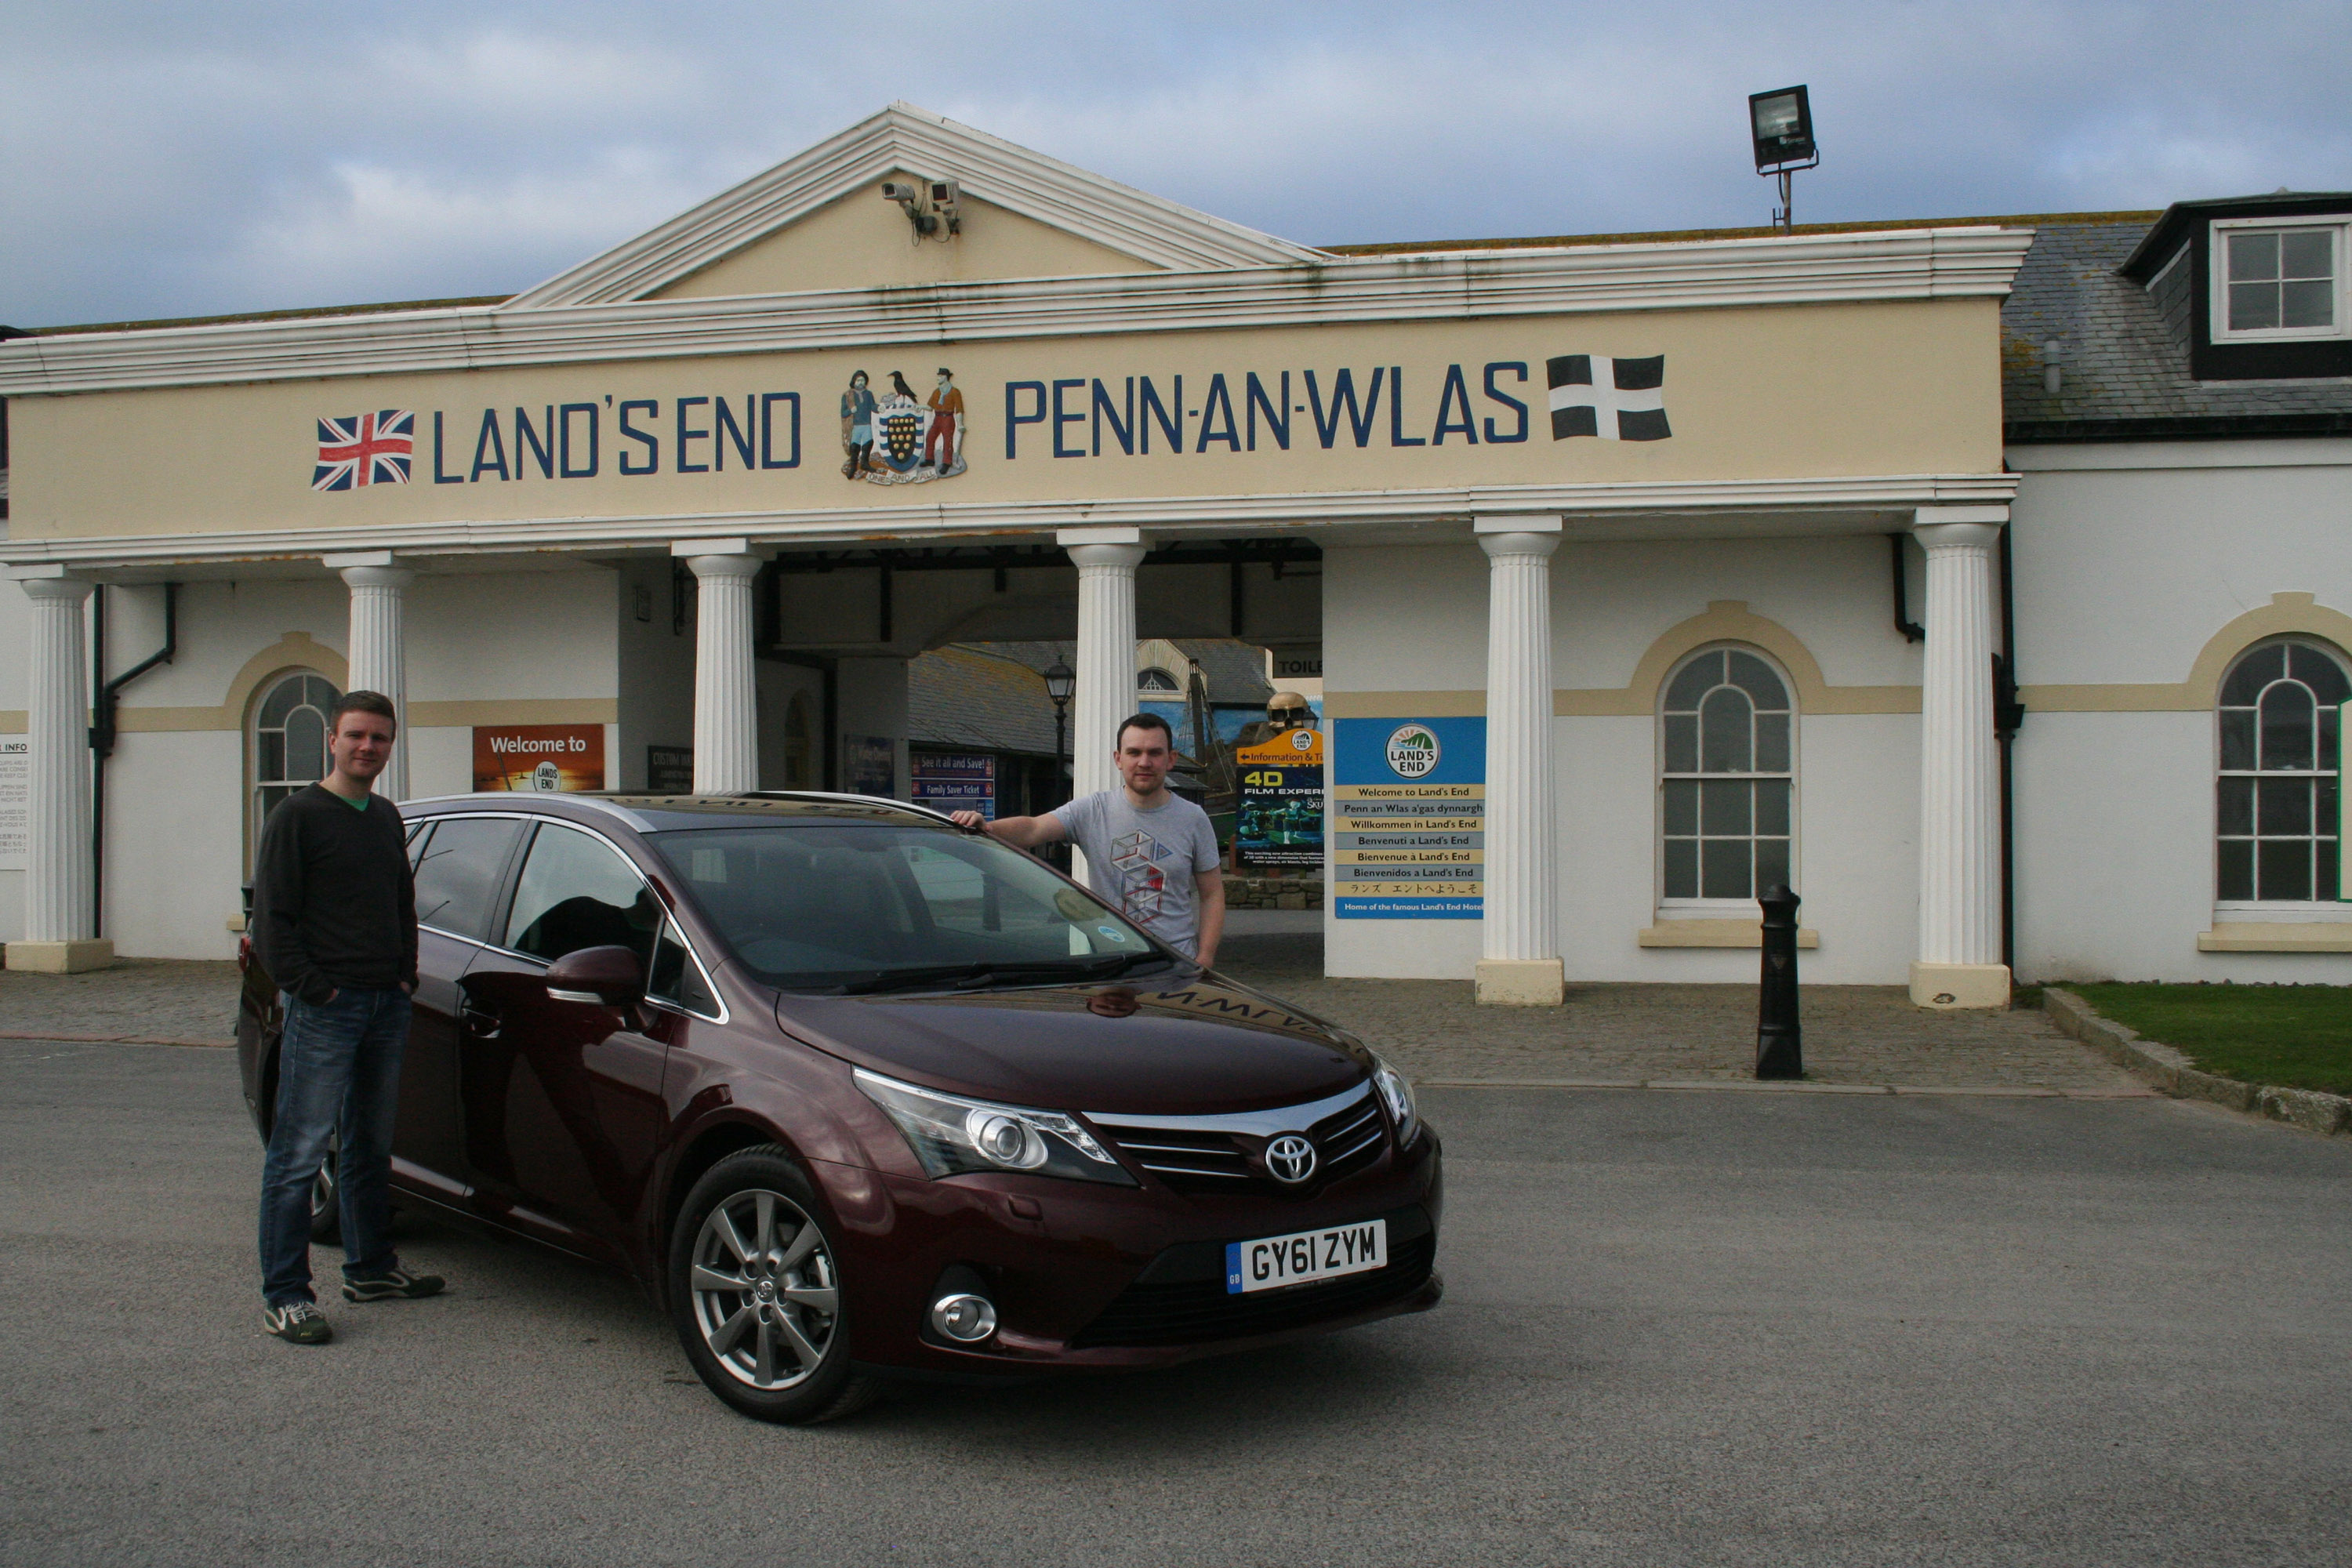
[[600, 976]]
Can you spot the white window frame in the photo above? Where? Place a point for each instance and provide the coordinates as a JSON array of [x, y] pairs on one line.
[[2338, 226], [1704, 908], [2255, 911], [256, 814]]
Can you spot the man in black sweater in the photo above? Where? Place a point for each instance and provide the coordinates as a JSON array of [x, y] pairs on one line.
[[334, 912]]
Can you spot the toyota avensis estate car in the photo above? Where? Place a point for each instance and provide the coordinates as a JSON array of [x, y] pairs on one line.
[[858, 1093]]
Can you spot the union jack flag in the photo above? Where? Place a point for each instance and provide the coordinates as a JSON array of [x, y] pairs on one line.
[[364, 449]]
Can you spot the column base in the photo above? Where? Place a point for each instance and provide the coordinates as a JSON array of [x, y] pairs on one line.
[[1950, 986], [1520, 981], [61, 957]]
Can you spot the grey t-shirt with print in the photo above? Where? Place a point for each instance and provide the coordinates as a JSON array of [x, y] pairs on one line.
[[1142, 863]]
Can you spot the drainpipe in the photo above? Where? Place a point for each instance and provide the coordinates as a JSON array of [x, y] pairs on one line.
[[103, 730], [1911, 630], [2008, 715]]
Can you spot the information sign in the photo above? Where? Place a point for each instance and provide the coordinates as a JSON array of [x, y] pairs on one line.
[[1409, 820], [1280, 819], [669, 770], [870, 765], [546, 758], [956, 780], [16, 799]]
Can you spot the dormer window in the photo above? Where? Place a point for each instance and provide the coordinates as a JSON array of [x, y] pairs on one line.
[[2274, 281]]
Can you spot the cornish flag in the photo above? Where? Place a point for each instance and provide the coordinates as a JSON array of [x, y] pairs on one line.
[[364, 449], [1615, 399]]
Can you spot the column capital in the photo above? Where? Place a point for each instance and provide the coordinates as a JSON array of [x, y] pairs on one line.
[[1517, 523], [725, 565], [72, 590], [1500, 545], [346, 559], [394, 577], [1128, 556], [1936, 525], [1099, 536], [735, 546]]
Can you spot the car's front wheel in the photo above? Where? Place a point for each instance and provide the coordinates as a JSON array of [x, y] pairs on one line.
[[755, 1293]]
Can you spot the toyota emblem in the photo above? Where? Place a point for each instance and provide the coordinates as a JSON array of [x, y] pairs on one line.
[[1291, 1159]]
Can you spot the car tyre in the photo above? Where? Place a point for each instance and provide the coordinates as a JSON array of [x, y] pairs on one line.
[[755, 1293]]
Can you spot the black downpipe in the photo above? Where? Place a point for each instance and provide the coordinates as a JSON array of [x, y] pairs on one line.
[[102, 730], [1911, 630], [2008, 716]]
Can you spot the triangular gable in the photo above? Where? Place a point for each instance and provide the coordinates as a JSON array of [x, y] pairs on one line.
[[1089, 210]]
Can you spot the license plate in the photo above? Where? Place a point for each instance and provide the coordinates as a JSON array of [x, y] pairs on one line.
[[1307, 1257]]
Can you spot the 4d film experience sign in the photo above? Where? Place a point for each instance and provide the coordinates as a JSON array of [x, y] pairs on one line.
[[1409, 820], [545, 758], [1280, 820]]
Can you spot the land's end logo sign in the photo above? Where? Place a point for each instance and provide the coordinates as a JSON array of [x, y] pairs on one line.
[[1412, 752], [895, 435]]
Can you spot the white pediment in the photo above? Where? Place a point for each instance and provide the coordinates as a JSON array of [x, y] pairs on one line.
[[817, 222]]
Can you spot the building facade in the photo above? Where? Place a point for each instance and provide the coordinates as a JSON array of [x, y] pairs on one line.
[[1611, 630]]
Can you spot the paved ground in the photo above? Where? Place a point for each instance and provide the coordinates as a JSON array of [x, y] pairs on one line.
[[1705, 1329], [1854, 1035]]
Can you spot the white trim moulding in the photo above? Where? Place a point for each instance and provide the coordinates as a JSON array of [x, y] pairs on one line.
[[1159, 516], [1914, 264]]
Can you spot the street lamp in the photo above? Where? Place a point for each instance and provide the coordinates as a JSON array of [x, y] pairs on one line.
[[1781, 122], [1060, 680]]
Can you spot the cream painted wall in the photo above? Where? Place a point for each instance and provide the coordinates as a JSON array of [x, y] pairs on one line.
[[1796, 391], [864, 242]]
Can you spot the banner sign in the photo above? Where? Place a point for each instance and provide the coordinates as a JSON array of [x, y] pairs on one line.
[[1280, 822], [16, 799], [1410, 819], [956, 782], [546, 758]]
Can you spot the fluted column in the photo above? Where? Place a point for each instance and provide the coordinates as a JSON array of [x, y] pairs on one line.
[[1522, 965], [1959, 803], [725, 721], [1105, 689], [60, 933], [379, 648]]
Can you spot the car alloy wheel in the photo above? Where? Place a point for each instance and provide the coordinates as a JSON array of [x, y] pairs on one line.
[[756, 1293]]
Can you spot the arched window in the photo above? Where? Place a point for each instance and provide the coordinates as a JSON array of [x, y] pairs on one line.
[[1726, 779], [2276, 801], [289, 739], [1155, 679]]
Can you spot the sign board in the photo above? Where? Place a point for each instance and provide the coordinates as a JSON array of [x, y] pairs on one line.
[[869, 765], [1280, 822], [955, 781], [544, 758], [1408, 821], [669, 770], [1296, 661], [16, 799]]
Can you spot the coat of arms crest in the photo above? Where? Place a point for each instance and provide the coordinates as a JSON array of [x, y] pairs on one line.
[[898, 438]]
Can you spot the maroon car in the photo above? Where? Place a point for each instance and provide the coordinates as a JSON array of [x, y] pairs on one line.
[[857, 1093]]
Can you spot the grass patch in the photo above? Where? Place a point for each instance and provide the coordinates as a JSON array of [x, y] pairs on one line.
[[2297, 1037]]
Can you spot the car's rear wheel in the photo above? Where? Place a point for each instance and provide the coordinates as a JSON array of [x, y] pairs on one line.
[[755, 1293]]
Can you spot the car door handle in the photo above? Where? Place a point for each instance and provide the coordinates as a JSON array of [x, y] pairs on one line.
[[481, 1020]]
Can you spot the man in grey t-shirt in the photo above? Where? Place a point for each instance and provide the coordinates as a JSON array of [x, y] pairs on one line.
[[1151, 854]]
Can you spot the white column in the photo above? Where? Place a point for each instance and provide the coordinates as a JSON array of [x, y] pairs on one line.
[[1105, 689], [60, 917], [379, 646], [1522, 965], [726, 715], [1959, 803]]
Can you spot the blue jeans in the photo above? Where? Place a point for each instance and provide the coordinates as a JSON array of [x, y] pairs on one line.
[[339, 1074]]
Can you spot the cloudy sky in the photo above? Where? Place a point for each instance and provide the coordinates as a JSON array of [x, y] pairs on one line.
[[174, 159]]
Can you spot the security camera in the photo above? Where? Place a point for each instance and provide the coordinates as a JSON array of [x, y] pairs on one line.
[[929, 204], [947, 200]]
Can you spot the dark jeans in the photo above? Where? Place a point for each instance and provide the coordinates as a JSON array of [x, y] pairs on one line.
[[339, 1074]]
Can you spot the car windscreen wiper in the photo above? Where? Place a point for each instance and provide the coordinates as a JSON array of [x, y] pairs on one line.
[[971, 976]]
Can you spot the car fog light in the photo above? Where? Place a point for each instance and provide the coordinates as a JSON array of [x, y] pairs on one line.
[[966, 1317]]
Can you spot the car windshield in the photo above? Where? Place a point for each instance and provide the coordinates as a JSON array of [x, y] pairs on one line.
[[860, 907]]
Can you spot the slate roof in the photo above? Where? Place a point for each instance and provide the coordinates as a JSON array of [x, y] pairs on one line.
[[2126, 375]]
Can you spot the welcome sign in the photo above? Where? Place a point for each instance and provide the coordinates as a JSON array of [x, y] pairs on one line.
[[1409, 820]]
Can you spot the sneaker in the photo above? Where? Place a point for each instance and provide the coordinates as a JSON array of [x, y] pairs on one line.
[[393, 1285], [298, 1322]]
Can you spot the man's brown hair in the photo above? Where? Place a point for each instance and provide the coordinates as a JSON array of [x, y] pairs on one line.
[[374, 702]]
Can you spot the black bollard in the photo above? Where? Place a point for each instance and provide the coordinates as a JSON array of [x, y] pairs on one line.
[[1780, 1043]]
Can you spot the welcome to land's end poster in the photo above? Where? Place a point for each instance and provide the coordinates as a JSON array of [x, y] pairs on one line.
[[1409, 820], [546, 758]]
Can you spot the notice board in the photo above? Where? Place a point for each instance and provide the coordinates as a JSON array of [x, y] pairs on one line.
[[1280, 821], [1409, 820]]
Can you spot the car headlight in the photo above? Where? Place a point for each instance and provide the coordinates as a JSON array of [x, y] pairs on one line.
[[1398, 1095], [954, 1136]]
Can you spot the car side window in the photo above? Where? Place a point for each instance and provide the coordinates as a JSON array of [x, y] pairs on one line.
[[676, 978], [417, 834], [576, 892], [457, 873]]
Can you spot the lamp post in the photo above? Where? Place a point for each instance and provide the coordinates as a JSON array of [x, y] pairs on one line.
[[1060, 681], [1781, 122]]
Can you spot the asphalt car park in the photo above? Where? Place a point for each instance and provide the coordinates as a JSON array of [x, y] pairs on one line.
[[1679, 1328]]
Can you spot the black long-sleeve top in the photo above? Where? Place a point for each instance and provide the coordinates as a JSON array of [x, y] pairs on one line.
[[333, 902]]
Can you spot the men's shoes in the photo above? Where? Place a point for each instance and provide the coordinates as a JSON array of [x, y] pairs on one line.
[[298, 1322], [395, 1286]]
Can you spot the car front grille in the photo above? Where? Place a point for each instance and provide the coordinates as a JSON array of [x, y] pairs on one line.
[[1193, 1159], [1159, 1311]]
